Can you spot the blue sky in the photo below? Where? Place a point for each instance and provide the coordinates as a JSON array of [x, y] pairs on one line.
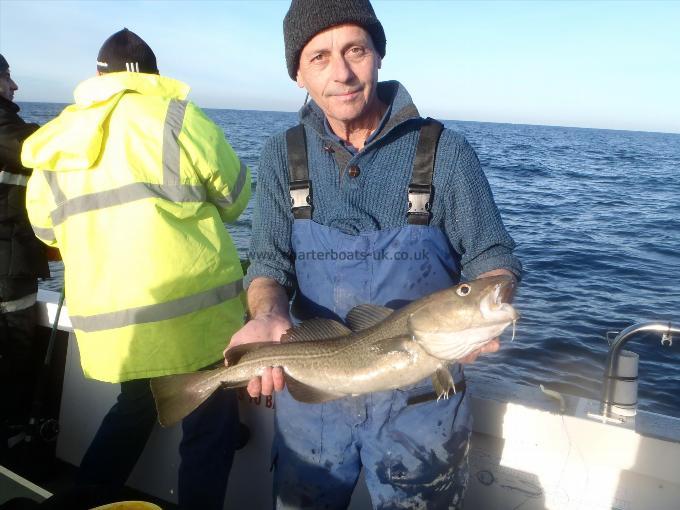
[[607, 64]]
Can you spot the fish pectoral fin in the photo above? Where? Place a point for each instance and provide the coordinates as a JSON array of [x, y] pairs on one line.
[[364, 316], [234, 354], [443, 384], [315, 329], [307, 394]]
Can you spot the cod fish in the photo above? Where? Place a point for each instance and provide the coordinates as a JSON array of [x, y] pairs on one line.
[[382, 349]]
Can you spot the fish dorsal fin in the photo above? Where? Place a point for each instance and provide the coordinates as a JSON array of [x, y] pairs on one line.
[[315, 329], [234, 354], [307, 394], [364, 316]]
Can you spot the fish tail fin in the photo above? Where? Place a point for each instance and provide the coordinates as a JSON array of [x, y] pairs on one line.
[[177, 396]]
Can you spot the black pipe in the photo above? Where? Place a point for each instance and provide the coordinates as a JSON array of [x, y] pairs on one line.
[[34, 422]]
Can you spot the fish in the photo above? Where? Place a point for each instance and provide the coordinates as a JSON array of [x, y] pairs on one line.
[[378, 349]]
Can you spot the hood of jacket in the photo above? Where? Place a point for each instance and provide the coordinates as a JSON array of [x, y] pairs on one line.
[[73, 140]]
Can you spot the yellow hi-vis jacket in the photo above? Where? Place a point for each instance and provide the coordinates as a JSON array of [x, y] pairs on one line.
[[133, 183]]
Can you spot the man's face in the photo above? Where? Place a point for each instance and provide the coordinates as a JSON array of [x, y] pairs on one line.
[[339, 69], [7, 86]]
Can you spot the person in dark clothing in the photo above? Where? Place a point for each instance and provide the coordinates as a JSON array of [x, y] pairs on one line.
[[22, 261]]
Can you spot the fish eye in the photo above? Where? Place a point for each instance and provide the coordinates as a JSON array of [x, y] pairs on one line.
[[463, 290]]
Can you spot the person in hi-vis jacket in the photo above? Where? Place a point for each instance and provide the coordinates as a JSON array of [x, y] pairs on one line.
[[133, 183]]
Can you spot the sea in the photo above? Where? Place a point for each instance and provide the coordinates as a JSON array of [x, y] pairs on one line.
[[595, 214]]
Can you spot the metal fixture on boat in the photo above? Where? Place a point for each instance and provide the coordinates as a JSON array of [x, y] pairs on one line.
[[620, 374]]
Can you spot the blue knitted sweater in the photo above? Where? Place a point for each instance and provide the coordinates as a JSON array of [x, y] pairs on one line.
[[377, 198]]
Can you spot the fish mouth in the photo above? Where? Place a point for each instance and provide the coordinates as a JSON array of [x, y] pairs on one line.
[[495, 306]]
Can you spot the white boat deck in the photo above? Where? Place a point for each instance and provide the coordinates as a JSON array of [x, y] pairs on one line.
[[526, 453]]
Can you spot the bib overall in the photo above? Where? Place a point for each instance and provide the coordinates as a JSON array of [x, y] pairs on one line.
[[412, 447]]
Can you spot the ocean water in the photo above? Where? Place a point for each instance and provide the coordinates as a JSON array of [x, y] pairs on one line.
[[596, 218]]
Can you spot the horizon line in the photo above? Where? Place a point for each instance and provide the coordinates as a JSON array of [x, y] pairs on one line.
[[441, 119]]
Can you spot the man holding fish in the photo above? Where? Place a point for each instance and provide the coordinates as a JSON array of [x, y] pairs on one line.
[[364, 174], [368, 216]]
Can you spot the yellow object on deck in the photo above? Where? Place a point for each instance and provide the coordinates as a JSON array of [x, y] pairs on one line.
[[129, 505]]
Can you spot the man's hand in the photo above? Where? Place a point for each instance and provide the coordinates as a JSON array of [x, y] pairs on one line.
[[491, 346], [494, 344], [262, 329], [268, 305]]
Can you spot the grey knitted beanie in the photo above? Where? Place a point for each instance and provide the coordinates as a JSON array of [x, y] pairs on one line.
[[306, 18]]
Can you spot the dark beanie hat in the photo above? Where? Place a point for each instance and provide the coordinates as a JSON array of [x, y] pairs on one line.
[[306, 18], [3, 64], [126, 51]]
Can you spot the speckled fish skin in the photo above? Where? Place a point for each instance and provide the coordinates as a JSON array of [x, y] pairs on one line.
[[359, 363], [402, 349]]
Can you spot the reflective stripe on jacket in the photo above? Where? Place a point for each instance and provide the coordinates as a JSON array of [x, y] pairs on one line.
[[133, 183]]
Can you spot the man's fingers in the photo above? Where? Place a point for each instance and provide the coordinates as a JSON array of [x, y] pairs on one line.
[[470, 358], [491, 346], [271, 379], [267, 382], [277, 376], [254, 387]]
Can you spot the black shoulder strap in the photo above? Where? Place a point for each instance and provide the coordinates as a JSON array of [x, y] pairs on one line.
[[420, 190], [300, 187]]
